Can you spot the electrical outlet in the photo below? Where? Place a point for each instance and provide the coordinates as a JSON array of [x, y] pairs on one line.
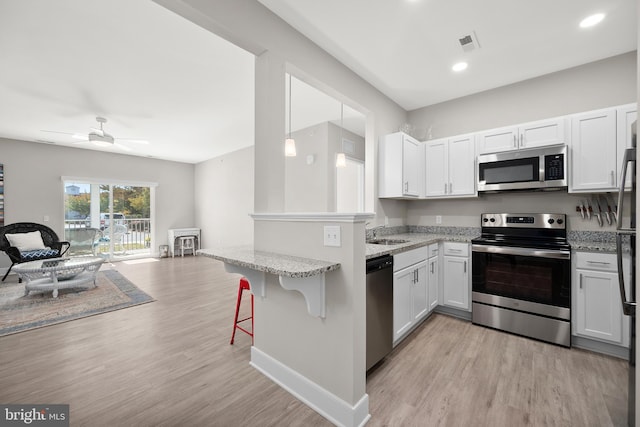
[[438, 219], [386, 220], [332, 235], [45, 218]]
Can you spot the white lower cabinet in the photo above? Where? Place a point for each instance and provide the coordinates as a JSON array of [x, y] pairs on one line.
[[410, 291], [597, 308], [455, 281]]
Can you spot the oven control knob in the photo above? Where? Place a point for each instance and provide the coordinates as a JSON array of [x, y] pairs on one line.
[[492, 220], [559, 221], [551, 221], [485, 220]]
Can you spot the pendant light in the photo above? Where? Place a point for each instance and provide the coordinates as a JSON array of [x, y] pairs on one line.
[[341, 159], [289, 143]]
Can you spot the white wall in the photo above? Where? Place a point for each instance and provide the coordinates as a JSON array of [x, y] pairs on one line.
[[596, 85], [224, 199], [33, 187]]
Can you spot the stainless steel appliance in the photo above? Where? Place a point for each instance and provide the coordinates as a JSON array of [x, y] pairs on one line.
[[622, 234], [521, 276], [537, 168], [379, 308]]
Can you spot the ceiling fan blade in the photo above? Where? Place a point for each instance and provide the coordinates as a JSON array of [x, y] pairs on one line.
[[55, 131], [135, 141]]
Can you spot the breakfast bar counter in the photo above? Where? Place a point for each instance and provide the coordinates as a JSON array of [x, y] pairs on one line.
[[294, 273]]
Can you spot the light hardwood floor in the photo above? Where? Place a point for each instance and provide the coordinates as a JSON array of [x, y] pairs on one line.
[[169, 363]]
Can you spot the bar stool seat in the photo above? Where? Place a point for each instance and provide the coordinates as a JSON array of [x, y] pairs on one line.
[[242, 286], [188, 243]]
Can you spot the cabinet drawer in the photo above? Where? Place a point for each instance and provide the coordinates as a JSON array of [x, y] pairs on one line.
[[596, 261], [456, 249], [433, 250], [408, 258]]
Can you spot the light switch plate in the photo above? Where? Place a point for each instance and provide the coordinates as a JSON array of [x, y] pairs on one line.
[[332, 235], [438, 219]]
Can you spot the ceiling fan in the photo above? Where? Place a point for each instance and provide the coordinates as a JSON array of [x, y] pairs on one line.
[[100, 137]]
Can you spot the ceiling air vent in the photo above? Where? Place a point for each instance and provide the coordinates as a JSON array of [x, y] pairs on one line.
[[469, 42]]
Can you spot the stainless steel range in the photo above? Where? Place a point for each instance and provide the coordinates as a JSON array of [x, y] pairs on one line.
[[521, 276]]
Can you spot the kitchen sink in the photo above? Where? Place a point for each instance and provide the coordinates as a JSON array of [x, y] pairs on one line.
[[386, 241]]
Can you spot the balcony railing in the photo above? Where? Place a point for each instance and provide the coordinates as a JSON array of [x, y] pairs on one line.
[[136, 239]]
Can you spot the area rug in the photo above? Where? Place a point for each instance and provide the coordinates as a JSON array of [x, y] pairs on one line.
[[20, 312]]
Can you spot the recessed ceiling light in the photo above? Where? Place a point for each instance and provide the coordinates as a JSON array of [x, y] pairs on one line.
[[592, 20], [460, 66]]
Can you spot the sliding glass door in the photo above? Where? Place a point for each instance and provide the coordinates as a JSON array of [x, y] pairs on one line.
[[108, 219]]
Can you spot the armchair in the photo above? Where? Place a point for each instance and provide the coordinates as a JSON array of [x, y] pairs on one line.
[[32, 249]]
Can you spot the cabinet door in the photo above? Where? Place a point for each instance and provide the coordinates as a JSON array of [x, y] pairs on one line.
[[496, 140], [544, 132], [599, 310], [462, 160], [625, 116], [456, 282], [420, 292], [593, 151], [402, 286], [410, 169], [436, 172], [432, 280]]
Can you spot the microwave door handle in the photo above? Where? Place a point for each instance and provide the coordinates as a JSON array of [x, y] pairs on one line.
[[628, 307], [629, 156]]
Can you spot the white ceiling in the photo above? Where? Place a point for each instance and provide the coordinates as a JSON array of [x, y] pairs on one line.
[[158, 77], [406, 48]]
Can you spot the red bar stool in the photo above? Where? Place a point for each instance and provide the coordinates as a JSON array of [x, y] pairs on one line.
[[244, 285]]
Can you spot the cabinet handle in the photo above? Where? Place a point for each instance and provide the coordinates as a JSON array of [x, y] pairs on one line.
[[445, 188], [613, 177], [599, 262], [515, 141], [450, 188], [465, 266], [406, 186], [417, 275], [581, 281], [432, 263]]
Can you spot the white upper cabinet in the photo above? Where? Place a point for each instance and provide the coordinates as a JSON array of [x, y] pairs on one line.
[[625, 116], [436, 167], [527, 135], [543, 132], [594, 162], [399, 166], [450, 167], [497, 140], [462, 162]]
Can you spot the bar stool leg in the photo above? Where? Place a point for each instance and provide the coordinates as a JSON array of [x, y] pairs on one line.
[[235, 320], [242, 286]]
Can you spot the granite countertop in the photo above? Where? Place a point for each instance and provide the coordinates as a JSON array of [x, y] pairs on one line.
[[592, 246], [269, 262], [414, 240]]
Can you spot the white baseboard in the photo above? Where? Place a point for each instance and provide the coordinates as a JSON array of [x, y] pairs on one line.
[[317, 398]]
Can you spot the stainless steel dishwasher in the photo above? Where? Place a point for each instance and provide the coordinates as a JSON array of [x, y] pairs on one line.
[[379, 308]]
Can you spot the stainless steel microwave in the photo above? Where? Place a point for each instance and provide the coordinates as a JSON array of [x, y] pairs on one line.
[[536, 169]]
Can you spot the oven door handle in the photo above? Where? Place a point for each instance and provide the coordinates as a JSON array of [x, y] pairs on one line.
[[532, 252]]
